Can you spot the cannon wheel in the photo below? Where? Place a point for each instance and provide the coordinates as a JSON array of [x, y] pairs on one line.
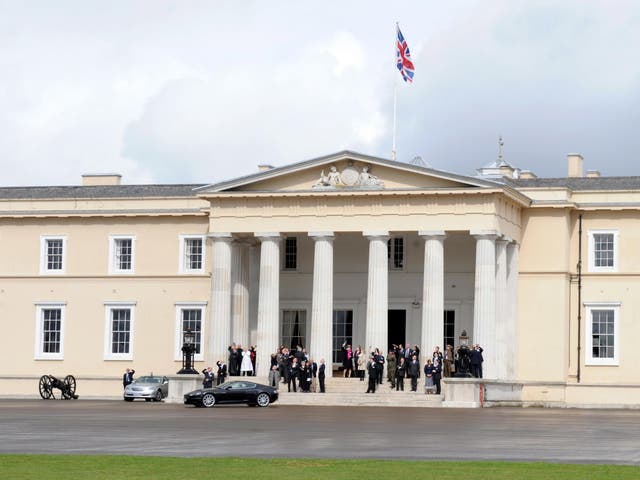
[[70, 387], [46, 390]]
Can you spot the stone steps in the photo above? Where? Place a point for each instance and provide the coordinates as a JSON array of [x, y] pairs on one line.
[[395, 399]]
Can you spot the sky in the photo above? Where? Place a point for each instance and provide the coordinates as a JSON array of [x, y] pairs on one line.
[[203, 91]]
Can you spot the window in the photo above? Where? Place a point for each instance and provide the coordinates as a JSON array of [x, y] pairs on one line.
[[395, 253], [603, 250], [290, 253], [192, 250], [294, 328], [449, 329], [121, 253], [49, 331], [342, 332], [190, 316], [53, 254], [602, 334], [119, 331]]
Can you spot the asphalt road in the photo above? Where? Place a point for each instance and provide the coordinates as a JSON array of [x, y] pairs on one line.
[[139, 428]]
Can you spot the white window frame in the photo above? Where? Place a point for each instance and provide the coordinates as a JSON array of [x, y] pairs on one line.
[[40, 306], [284, 254], [592, 256], [390, 253], [182, 259], [44, 270], [589, 359], [113, 267], [109, 307], [180, 306]]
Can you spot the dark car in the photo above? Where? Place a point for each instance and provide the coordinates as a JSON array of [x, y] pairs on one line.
[[237, 391]]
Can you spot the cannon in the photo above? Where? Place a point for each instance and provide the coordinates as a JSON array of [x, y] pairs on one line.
[[67, 387]]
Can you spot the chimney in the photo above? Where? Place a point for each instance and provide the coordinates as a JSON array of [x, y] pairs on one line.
[[263, 167], [593, 174], [93, 179], [575, 161]]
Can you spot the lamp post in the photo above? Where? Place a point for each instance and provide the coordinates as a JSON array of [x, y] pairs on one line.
[[188, 351], [463, 357]]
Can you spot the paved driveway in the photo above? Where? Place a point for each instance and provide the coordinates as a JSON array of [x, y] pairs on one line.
[[139, 428]]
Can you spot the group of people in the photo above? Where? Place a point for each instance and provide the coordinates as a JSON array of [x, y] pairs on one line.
[[242, 362], [297, 370], [218, 377]]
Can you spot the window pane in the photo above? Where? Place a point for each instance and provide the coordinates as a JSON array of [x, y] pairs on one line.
[[120, 330], [193, 254], [294, 328], [123, 252], [603, 249], [51, 330], [54, 254], [192, 320], [291, 253], [603, 329], [342, 331]]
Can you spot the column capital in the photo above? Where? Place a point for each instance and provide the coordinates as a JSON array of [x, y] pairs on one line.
[[267, 236], [490, 234], [503, 240], [371, 235], [322, 235], [435, 234], [220, 236]]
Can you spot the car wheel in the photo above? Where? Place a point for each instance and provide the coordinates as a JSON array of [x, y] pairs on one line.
[[127, 399], [158, 396], [263, 400], [208, 400]]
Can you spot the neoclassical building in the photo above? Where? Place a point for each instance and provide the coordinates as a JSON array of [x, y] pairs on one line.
[[543, 273]]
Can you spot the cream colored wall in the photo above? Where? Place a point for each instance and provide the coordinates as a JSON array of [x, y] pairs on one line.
[[156, 243], [543, 297]]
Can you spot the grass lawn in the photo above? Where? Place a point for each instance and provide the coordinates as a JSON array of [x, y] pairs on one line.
[[43, 467]]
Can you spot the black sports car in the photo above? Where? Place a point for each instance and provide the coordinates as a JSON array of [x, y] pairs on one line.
[[236, 391]]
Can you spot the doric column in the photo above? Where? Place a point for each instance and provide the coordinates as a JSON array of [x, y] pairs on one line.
[[376, 334], [484, 300], [268, 300], [254, 283], [240, 293], [322, 300], [433, 292], [220, 321], [512, 311], [501, 309]]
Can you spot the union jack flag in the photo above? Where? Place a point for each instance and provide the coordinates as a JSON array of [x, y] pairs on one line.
[[403, 58]]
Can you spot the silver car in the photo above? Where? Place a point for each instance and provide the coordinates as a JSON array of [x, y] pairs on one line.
[[151, 387]]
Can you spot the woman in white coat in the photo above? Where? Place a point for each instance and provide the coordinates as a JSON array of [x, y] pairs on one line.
[[246, 367]]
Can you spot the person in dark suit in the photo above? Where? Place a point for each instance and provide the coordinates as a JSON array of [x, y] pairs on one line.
[[127, 378], [321, 375], [372, 368], [222, 372], [437, 376], [476, 361], [414, 373], [401, 371], [209, 376]]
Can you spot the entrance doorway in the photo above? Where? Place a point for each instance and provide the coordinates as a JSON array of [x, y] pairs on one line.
[[396, 328]]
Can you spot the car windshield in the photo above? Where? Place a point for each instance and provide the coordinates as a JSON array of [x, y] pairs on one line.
[[149, 380]]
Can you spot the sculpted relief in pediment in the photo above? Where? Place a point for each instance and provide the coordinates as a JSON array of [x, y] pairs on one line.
[[349, 177]]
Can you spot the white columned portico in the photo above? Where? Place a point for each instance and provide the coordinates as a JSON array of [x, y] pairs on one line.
[[502, 316], [220, 324], [376, 330], [433, 291], [240, 293], [512, 311], [484, 300], [322, 300], [268, 301]]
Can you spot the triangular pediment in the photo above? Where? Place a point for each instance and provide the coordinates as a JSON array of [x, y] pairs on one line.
[[346, 171]]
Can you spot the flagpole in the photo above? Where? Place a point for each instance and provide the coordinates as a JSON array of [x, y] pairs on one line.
[[395, 98], [395, 95]]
